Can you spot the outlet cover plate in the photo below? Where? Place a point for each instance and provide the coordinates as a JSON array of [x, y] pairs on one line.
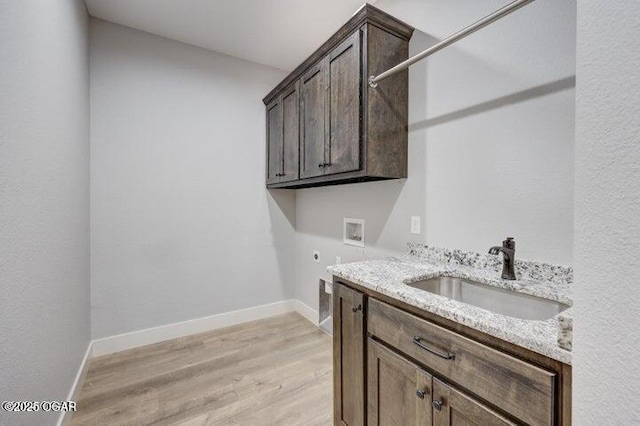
[[415, 224]]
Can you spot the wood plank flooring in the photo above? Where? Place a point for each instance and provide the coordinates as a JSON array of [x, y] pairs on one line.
[[275, 371]]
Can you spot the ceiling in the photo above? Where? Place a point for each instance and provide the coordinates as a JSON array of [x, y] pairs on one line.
[[277, 33]]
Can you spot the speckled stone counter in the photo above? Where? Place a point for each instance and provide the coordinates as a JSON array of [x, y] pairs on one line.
[[389, 277]]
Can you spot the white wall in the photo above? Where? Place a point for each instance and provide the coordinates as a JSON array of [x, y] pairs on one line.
[[182, 226], [44, 201], [491, 129], [606, 342]]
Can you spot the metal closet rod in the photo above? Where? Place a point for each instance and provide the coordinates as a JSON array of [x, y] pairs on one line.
[[489, 19]]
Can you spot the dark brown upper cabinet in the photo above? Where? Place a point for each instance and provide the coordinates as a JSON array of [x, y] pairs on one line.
[[283, 137], [312, 123], [326, 118]]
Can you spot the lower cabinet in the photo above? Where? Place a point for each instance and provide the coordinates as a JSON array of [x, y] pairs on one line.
[[399, 392], [348, 357], [394, 368], [453, 408], [402, 393]]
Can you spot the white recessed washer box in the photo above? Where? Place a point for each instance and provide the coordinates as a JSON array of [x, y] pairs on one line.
[[353, 232]]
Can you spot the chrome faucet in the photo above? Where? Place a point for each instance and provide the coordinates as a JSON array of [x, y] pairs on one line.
[[508, 250]]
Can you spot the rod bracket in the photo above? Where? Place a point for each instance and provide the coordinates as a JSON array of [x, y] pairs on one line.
[[372, 83]]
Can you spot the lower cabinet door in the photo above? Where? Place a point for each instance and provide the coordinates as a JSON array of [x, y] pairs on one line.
[[399, 392], [348, 356], [453, 408]]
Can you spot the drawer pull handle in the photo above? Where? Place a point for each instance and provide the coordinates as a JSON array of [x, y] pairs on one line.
[[444, 355]]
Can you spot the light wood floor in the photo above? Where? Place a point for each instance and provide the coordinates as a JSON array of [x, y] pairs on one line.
[[275, 371]]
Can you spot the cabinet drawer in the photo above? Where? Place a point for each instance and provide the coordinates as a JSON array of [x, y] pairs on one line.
[[519, 388]]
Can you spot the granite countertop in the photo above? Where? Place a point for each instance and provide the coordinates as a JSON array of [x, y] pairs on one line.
[[389, 276]]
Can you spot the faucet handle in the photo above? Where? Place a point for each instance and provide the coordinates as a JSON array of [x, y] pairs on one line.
[[509, 243]]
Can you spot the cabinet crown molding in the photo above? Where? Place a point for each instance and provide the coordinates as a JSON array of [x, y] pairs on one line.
[[366, 14]]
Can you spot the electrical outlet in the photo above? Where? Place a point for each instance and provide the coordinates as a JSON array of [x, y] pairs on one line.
[[316, 256], [415, 224], [338, 260]]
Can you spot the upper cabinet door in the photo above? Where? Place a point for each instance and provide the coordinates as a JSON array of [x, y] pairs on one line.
[[274, 141], [290, 135], [344, 106], [312, 122], [453, 408]]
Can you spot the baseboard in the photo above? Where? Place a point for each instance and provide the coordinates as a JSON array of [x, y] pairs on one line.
[[149, 336], [306, 311], [76, 387]]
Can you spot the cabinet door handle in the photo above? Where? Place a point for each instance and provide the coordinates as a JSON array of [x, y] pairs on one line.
[[356, 308], [421, 393], [444, 355], [437, 405], [321, 165]]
